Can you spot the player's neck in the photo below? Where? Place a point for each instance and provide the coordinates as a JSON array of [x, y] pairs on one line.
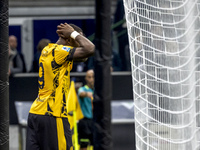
[[90, 86], [61, 41]]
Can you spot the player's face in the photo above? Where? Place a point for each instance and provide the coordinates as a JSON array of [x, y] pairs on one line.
[[90, 78]]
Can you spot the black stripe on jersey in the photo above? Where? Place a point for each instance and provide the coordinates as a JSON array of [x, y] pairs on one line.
[[53, 94], [56, 80], [53, 51], [48, 108], [71, 54], [54, 65], [66, 73], [64, 105]]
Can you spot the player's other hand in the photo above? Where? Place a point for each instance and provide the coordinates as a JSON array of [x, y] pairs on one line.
[[64, 30], [89, 94]]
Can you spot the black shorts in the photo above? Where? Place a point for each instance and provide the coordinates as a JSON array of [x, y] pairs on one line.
[[85, 131], [48, 133]]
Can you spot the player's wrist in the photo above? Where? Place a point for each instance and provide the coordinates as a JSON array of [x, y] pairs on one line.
[[74, 34]]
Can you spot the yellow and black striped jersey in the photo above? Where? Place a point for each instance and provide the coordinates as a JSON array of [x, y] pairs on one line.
[[55, 64]]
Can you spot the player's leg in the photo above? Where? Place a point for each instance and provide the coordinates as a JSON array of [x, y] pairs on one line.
[[84, 134], [50, 133], [68, 134], [91, 128], [47, 133], [31, 138], [64, 134]]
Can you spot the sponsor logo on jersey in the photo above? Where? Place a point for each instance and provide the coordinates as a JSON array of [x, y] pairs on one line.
[[65, 48]]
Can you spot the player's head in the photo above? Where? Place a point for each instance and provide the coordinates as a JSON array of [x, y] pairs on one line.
[[13, 42], [71, 41], [42, 43], [89, 78], [76, 28]]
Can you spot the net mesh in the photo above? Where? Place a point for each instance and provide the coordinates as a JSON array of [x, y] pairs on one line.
[[164, 41]]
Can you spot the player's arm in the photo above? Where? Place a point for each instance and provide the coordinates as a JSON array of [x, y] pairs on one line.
[[86, 47], [86, 94]]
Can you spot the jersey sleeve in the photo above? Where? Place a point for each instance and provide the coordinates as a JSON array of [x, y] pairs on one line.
[[63, 54]]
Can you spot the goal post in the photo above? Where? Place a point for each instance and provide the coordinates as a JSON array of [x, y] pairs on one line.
[[164, 42], [4, 84]]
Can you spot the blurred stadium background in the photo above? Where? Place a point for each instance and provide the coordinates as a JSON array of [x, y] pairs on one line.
[[32, 20]]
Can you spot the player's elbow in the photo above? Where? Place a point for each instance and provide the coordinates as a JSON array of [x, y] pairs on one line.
[[91, 49], [88, 50]]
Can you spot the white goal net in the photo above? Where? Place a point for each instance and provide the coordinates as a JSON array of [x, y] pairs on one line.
[[164, 42]]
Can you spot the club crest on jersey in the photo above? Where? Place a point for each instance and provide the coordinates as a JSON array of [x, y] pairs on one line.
[[65, 48]]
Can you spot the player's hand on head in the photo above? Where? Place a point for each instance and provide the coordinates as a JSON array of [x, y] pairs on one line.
[[64, 30]]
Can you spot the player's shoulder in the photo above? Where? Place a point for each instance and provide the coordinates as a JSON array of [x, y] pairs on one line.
[[63, 48], [81, 89], [49, 47], [87, 88]]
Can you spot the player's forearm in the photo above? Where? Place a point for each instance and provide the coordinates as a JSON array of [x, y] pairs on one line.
[[83, 94], [86, 48]]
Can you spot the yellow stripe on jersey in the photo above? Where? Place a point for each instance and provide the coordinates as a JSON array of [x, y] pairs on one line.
[[53, 81], [62, 145]]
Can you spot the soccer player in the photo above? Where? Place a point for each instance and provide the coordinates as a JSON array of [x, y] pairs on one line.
[[48, 126], [85, 125]]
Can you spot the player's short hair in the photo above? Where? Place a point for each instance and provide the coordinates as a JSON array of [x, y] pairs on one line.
[[42, 43], [76, 28]]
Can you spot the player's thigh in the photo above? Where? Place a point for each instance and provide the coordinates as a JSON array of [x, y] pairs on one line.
[[31, 138], [64, 134], [68, 133], [47, 133]]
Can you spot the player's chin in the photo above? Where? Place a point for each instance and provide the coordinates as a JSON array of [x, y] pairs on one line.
[[92, 84]]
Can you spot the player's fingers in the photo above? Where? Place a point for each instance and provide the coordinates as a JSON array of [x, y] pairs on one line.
[[58, 31], [61, 35], [59, 27], [63, 25], [67, 25]]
